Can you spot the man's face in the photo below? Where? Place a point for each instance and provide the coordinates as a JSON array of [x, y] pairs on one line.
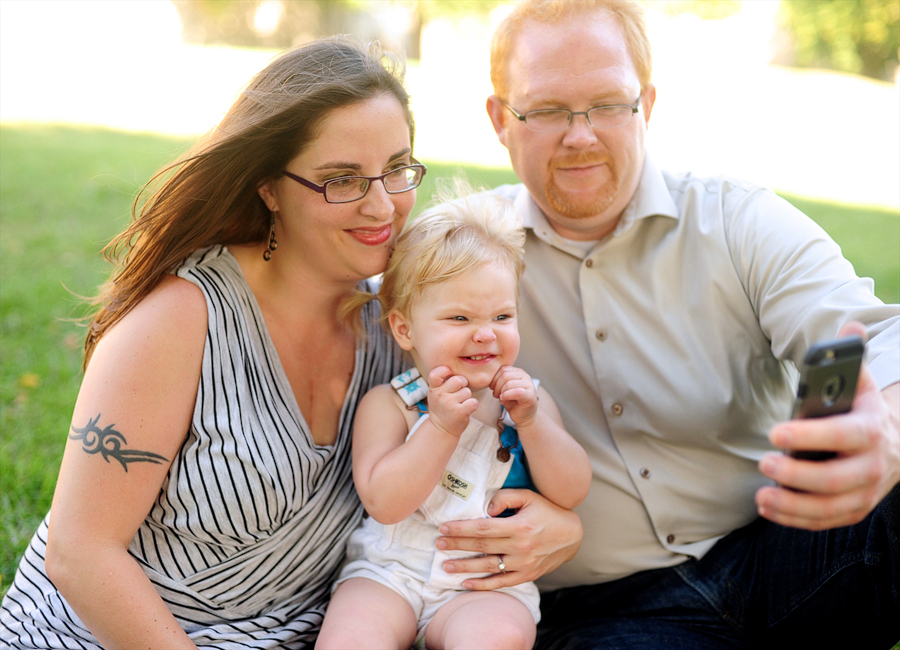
[[583, 177]]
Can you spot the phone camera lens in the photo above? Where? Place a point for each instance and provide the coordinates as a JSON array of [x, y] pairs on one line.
[[832, 389]]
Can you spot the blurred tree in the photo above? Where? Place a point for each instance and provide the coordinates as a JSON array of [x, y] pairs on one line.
[[857, 36], [260, 23], [705, 9], [283, 23], [430, 9]]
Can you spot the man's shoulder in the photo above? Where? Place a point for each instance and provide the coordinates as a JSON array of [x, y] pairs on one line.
[[517, 195], [680, 183], [509, 191], [742, 211], [720, 196]]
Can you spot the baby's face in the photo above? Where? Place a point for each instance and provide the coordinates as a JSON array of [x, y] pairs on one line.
[[467, 323]]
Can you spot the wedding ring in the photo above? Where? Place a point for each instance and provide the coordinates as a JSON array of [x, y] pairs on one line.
[[502, 565]]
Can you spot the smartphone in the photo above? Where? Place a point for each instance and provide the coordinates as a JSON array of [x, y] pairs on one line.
[[827, 384]]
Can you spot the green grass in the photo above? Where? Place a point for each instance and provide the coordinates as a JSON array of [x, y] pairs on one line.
[[65, 191], [869, 238]]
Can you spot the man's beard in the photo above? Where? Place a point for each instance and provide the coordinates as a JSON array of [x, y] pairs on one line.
[[572, 207]]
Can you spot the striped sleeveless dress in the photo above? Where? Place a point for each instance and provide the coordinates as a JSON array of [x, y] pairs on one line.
[[249, 529]]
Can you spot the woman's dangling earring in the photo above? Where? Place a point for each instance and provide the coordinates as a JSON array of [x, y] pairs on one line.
[[267, 254]]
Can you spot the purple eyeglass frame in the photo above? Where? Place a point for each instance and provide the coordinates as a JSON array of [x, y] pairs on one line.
[[321, 188]]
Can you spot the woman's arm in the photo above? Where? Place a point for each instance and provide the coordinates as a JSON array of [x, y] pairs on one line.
[[131, 417]]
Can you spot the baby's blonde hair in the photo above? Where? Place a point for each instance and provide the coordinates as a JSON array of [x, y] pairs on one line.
[[463, 231]]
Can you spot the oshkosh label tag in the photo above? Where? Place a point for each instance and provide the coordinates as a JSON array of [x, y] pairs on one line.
[[458, 486]]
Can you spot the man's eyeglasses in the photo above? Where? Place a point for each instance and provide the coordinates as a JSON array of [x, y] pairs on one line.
[[352, 188], [610, 116]]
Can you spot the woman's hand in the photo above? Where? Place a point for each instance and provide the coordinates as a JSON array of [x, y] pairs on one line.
[[536, 540]]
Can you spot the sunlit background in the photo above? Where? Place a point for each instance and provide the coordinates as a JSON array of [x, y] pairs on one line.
[[732, 98], [723, 105]]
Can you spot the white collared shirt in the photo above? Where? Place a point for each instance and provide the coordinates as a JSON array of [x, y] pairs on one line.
[[670, 346]]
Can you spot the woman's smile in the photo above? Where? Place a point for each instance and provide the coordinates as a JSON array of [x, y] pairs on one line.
[[375, 236]]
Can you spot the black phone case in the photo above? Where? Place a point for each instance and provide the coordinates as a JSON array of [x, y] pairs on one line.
[[828, 383]]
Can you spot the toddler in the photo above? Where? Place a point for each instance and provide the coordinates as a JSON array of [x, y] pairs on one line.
[[437, 443]]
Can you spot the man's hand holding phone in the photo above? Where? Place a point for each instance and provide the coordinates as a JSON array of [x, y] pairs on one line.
[[827, 385], [864, 445]]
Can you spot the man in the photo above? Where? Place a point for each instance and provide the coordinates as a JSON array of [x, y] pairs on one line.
[[667, 313]]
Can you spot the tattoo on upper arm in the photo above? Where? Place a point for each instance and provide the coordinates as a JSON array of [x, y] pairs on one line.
[[109, 443]]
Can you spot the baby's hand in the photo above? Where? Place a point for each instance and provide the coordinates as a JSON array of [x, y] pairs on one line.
[[515, 390], [450, 401]]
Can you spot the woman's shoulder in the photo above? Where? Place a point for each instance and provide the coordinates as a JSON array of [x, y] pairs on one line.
[[177, 294], [175, 304], [218, 276], [165, 330], [217, 256]]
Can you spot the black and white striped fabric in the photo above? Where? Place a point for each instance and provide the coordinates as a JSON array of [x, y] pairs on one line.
[[250, 526]]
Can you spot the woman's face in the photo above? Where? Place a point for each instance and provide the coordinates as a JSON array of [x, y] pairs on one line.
[[344, 241]]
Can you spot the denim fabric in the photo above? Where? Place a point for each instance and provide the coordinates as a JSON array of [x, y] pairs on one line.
[[763, 586]]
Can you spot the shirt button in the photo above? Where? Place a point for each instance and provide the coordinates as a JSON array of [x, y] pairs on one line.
[[645, 473], [617, 409], [670, 538], [600, 334], [589, 263]]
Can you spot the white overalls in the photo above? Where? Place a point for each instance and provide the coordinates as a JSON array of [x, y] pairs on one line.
[[403, 556]]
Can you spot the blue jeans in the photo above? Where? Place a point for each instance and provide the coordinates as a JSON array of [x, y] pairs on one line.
[[763, 586]]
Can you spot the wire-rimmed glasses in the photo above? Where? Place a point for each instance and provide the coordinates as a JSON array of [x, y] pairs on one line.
[[610, 116], [352, 188]]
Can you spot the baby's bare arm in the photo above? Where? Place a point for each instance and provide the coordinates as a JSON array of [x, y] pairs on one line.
[[559, 466]]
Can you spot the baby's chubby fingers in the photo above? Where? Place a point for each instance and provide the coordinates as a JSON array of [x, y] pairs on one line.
[[516, 391], [506, 375], [438, 376], [450, 401], [513, 384], [442, 381]]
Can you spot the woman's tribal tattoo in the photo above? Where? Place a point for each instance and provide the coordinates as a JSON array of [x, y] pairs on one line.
[[109, 443]]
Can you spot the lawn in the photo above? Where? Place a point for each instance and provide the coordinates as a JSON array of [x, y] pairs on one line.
[[65, 191]]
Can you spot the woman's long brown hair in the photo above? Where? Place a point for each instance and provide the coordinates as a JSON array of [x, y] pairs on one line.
[[209, 196]]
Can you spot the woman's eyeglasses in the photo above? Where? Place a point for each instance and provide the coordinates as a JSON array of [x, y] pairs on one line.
[[352, 188]]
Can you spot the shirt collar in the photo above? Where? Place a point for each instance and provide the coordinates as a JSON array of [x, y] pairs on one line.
[[652, 198]]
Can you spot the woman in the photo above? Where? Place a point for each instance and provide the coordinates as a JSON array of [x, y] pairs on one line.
[[205, 494]]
